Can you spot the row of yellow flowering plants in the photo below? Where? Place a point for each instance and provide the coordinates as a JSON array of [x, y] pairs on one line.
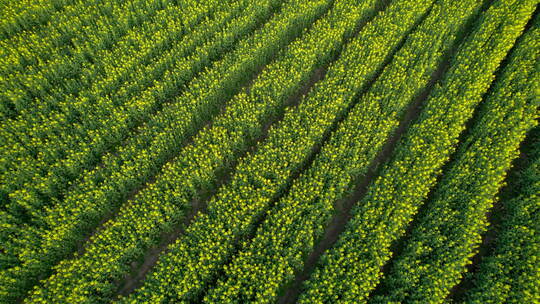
[[350, 270], [33, 204], [26, 15], [69, 222], [191, 263], [41, 159], [448, 232], [142, 155], [31, 201], [509, 272], [259, 272], [38, 63], [196, 167]]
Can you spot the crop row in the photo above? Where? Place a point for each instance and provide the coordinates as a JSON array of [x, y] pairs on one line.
[[170, 196], [72, 138], [448, 231], [181, 66], [351, 269], [36, 208], [197, 257], [168, 131], [509, 273], [193, 169], [259, 272]]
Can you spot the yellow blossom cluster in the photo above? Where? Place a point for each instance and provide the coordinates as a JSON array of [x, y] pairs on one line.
[[353, 267], [163, 203], [260, 271], [440, 245]]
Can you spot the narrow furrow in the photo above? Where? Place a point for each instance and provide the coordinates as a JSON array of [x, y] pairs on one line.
[[263, 176], [351, 269], [508, 272], [129, 235], [448, 231], [388, 121]]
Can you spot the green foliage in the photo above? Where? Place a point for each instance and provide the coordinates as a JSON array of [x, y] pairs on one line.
[[443, 240], [199, 254], [352, 268], [269, 262], [162, 204], [121, 119]]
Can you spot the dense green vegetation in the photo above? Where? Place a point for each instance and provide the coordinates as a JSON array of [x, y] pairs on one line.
[[449, 230], [509, 272], [274, 151], [353, 267]]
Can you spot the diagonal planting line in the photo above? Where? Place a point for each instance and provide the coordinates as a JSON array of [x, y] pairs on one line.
[[151, 179], [338, 222], [397, 246], [258, 182], [135, 230], [351, 269], [449, 224]]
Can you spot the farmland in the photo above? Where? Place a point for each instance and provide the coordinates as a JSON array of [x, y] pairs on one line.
[[273, 151]]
